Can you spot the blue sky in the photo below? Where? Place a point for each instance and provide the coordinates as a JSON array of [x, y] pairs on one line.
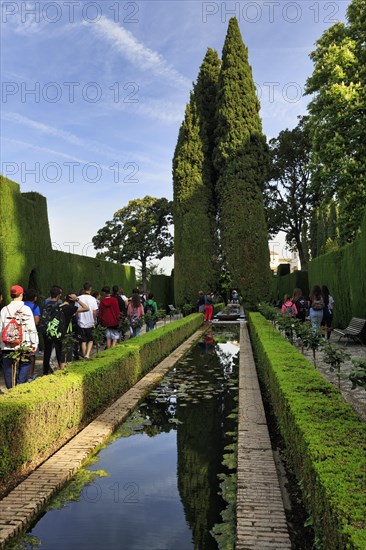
[[93, 93]]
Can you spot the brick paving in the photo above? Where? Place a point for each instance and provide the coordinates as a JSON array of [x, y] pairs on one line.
[[21, 506], [261, 519]]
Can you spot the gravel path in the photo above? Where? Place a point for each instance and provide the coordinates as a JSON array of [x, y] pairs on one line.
[[357, 397]]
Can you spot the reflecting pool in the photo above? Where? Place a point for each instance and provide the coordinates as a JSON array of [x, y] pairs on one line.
[[155, 485]]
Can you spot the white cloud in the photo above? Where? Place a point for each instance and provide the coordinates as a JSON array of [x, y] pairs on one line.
[[67, 136], [137, 53], [53, 152], [24, 17], [43, 128]]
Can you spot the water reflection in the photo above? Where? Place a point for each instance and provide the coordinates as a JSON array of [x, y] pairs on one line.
[[162, 485]]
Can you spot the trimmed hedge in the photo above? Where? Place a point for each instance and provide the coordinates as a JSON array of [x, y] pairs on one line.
[[285, 284], [27, 257], [325, 438], [162, 286], [344, 272], [35, 416]]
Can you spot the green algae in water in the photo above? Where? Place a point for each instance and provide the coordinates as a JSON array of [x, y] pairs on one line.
[[225, 533], [24, 542]]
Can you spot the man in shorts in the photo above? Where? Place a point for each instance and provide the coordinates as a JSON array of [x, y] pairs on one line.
[[87, 320]]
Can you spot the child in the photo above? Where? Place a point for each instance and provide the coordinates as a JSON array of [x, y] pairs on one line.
[[288, 307]]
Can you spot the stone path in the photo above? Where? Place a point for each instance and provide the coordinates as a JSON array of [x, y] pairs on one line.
[[22, 505], [261, 519]]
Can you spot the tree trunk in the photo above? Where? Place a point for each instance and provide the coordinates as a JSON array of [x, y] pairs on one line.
[[303, 260], [144, 274]]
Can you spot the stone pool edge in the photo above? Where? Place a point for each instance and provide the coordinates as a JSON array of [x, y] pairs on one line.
[[261, 518]]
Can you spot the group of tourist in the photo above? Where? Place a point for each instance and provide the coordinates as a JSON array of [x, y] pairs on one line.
[[205, 304], [65, 326], [319, 307]]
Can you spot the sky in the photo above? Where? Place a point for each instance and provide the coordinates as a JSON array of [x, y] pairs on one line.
[[94, 93]]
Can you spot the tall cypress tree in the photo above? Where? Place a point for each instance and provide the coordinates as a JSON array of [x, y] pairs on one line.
[[241, 161], [195, 246]]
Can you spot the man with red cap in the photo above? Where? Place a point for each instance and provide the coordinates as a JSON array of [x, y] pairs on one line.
[[22, 318]]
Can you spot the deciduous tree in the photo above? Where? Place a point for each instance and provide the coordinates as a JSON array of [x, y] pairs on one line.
[[338, 116], [138, 231], [289, 197]]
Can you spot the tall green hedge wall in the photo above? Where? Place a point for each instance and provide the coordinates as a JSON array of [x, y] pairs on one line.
[[26, 255], [344, 273], [162, 286], [285, 284]]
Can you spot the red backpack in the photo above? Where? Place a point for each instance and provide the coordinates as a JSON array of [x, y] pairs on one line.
[[12, 334]]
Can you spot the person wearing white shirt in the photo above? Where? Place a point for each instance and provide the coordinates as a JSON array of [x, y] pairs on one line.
[[23, 315], [87, 320]]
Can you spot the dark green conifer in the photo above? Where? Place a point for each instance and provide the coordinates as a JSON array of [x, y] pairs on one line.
[[195, 245], [241, 161]]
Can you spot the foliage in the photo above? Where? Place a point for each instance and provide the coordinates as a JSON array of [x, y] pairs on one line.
[[162, 286], [285, 284], [268, 312], [241, 161], [68, 342], [187, 309], [337, 117], [151, 269], [195, 247], [358, 374], [26, 254], [289, 196], [161, 314], [344, 273], [286, 324], [323, 435], [74, 394], [98, 334], [334, 356], [309, 338], [324, 232], [150, 318], [124, 325], [138, 231]]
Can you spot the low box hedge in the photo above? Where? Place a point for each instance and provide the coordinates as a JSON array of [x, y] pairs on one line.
[[33, 417], [326, 440]]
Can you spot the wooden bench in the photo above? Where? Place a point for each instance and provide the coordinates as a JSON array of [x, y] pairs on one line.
[[355, 329]]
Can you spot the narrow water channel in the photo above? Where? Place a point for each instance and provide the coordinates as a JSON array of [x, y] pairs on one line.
[[155, 485]]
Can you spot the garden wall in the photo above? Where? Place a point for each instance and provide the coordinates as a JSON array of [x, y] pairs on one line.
[[35, 417], [285, 284], [325, 439], [342, 271], [27, 257], [162, 286]]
